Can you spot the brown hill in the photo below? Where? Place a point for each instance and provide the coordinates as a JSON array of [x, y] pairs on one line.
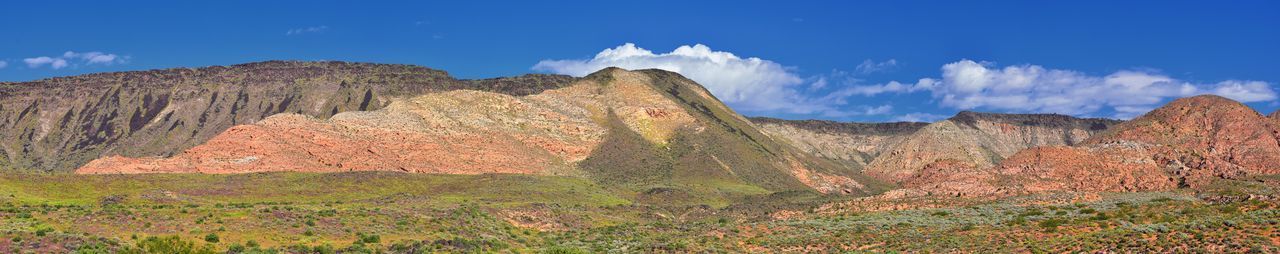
[[851, 144], [981, 140], [651, 131], [62, 123], [1275, 115]]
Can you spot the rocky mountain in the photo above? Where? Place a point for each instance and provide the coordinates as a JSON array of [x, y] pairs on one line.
[[979, 139], [1187, 143], [652, 132], [1275, 115], [852, 144], [59, 124]]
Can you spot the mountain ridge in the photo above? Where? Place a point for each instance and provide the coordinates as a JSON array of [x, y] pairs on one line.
[[58, 124], [649, 131]]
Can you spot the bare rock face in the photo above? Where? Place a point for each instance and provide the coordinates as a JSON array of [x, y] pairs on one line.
[[1275, 115], [59, 124], [980, 139], [853, 144], [632, 128]]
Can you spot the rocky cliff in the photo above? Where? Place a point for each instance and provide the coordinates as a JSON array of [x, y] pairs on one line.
[[651, 131], [981, 140], [61, 123], [852, 144]]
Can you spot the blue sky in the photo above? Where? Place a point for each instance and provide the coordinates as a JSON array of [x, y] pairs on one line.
[[919, 60]]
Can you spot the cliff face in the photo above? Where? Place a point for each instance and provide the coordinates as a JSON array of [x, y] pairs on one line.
[[59, 124], [652, 131], [852, 144], [981, 140]]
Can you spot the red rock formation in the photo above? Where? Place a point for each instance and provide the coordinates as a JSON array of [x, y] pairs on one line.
[[1187, 143], [1107, 167], [951, 177], [1204, 137]]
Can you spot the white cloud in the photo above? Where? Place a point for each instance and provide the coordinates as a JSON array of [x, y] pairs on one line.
[[37, 62], [3, 64], [968, 84], [747, 84], [918, 117], [868, 66], [70, 57], [314, 29], [1245, 91]]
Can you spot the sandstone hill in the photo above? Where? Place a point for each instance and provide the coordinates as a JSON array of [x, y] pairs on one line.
[[979, 139], [652, 132], [59, 124], [852, 144]]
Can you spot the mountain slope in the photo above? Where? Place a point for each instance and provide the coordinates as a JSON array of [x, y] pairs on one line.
[[652, 132], [1188, 143], [981, 140], [851, 144], [59, 124], [1275, 115]]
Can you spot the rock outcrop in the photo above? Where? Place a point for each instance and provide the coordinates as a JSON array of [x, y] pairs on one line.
[[647, 130], [59, 124], [852, 144], [980, 139]]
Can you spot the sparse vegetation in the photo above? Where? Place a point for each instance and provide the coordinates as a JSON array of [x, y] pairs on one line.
[[403, 218]]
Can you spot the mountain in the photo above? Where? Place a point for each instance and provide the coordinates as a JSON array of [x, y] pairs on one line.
[[651, 132], [852, 144], [979, 139], [59, 124], [1188, 143], [1275, 115]]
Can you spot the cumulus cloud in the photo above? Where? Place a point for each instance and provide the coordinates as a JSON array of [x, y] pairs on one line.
[[968, 84], [306, 30], [71, 57], [747, 84]]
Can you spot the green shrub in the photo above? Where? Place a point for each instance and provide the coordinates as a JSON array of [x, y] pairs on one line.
[[211, 237], [170, 244], [1052, 224]]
